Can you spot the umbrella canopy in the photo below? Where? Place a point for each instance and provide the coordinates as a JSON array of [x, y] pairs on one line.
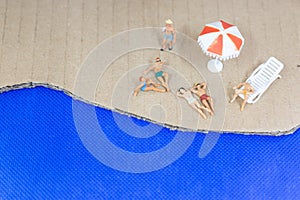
[[221, 40]]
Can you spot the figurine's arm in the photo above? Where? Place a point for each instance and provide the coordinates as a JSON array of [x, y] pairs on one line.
[[238, 86], [179, 94], [193, 90], [150, 81], [146, 71], [204, 85], [174, 36]]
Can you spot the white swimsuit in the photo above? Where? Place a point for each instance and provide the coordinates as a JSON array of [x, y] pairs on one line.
[[191, 100]]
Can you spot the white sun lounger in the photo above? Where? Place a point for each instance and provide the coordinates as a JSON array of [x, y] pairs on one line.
[[262, 78]]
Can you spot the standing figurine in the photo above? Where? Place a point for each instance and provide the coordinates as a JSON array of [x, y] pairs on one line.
[[169, 36], [200, 90], [245, 89], [159, 74]]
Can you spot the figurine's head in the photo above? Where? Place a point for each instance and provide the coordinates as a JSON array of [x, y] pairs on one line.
[[157, 59], [198, 86], [169, 22], [142, 79], [181, 90]]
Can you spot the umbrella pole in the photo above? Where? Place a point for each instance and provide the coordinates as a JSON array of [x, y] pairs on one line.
[[215, 66]]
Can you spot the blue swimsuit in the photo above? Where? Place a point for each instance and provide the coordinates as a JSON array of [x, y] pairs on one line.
[[168, 37], [144, 87], [159, 74]]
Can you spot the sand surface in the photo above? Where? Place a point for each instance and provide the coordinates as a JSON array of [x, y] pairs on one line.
[[97, 49]]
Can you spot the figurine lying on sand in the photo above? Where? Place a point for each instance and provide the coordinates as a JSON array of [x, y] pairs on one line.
[[147, 85], [187, 95], [159, 74], [245, 89], [200, 90]]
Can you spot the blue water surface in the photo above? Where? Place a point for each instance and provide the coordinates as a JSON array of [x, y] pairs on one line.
[[42, 157]]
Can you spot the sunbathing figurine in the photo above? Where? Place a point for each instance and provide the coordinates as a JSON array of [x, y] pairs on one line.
[[245, 89], [147, 85], [159, 74], [200, 90], [188, 96]]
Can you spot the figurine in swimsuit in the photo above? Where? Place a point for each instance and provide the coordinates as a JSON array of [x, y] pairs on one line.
[[200, 90], [169, 36], [159, 74], [245, 89], [147, 85], [187, 95]]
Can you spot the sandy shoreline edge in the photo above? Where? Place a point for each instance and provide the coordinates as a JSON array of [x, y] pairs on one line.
[[27, 85]]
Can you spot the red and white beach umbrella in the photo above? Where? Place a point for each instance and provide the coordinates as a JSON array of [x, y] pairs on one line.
[[221, 41]]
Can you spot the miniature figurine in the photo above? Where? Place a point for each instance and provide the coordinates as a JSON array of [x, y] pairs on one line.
[[200, 90], [147, 85], [245, 89], [159, 74], [169, 36], [187, 95]]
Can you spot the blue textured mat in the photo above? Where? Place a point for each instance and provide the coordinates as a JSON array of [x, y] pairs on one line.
[[42, 156]]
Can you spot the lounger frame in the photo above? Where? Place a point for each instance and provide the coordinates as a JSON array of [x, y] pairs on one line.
[[262, 77]]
